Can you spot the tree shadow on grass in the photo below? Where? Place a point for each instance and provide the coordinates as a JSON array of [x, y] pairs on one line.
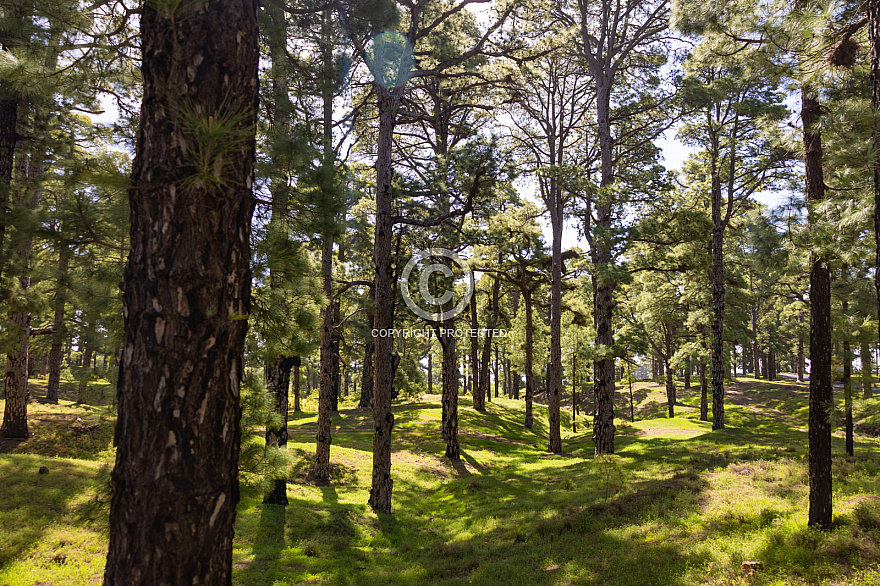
[[31, 503]]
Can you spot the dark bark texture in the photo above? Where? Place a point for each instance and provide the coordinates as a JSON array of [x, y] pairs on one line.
[[819, 431], [278, 382], [186, 298]]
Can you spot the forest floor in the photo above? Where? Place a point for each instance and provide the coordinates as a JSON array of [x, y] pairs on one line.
[[676, 505]]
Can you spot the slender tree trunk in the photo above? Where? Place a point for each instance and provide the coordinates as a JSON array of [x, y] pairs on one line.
[[865, 357], [383, 419], [366, 400], [497, 370], [430, 371], [554, 380], [296, 378], [820, 331], [670, 392], [704, 392], [278, 383], [476, 387], [800, 353], [487, 342], [321, 467], [186, 289], [530, 366], [687, 373], [847, 393], [84, 374]]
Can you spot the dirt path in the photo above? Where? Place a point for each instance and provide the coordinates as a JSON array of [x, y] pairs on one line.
[[735, 393]]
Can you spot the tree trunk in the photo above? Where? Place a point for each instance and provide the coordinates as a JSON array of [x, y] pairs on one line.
[[383, 419], [716, 277], [296, 377], [771, 364], [186, 293], [15, 423], [366, 400], [704, 392], [847, 392], [497, 370], [800, 353], [8, 141], [554, 379], [476, 386], [873, 9], [530, 367], [84, 374], [449, 399], [670, 391], [820, 331], [321, 467], [687, 373], [430, 371], [865, 357], [487, 342], [278, 382]]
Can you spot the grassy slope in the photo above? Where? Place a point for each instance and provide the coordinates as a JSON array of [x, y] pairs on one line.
[[677, 504]]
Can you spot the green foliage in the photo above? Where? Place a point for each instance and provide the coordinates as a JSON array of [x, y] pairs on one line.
[[259, 464]]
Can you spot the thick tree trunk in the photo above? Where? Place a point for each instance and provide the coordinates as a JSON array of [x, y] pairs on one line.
[[8, 141], [383, 419], [670, 391], [449, 399], [15, 424], [278, 382], [187, 289], [820, 331], [873, 9]]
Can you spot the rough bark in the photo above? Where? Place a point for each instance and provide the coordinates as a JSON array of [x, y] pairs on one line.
[[278, 383], [187, 288], [366, 400], [15, 423], [449, 399], [321, 467], [819, 431], [383, 419], [873, 9], [670, 391]]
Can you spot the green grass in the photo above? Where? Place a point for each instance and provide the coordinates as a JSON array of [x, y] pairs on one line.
[[678, 504]]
